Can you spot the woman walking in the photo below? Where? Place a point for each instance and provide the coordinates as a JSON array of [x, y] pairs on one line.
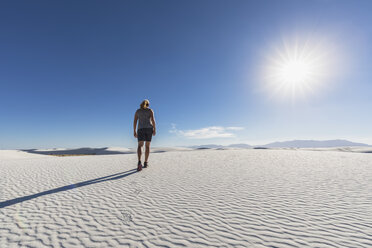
[[146, 128]]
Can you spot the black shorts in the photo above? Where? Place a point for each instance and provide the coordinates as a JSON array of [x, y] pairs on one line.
[[144, 134]]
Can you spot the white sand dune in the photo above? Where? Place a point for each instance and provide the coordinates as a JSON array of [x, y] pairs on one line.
[[29, 153], [362, 149], [200, 198], [16, 154]]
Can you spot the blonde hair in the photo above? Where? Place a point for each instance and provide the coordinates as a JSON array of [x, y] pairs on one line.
[[142, 105]]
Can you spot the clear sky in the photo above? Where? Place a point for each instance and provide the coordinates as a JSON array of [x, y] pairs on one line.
[[73, 73]]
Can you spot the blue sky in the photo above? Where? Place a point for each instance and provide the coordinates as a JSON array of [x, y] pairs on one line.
[[72, 73]]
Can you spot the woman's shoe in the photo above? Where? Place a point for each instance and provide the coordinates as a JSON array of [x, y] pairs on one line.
[[139, 167], [145, 165]]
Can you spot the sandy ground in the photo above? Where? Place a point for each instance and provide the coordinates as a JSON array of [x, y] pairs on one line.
[[194, 198]]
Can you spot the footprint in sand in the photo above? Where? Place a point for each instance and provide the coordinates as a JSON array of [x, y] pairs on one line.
[[137, 191], [126, 216]]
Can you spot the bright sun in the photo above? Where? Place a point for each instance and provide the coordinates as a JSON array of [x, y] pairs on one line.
[[296, 69], [295, 72]]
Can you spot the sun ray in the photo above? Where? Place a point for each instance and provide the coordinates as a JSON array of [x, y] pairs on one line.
[[296, 69]]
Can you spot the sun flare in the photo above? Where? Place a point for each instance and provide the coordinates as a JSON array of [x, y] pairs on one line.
[[296, 69]]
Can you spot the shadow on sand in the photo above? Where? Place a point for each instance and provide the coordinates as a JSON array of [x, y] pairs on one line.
[[68, 187], [79, 151], [85, 151]]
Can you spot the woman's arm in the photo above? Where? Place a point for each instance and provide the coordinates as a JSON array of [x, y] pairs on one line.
[[135, 124], [152, 117]]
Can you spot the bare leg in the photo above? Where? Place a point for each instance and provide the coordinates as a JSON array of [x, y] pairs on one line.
[[147, 152], [139, 149]]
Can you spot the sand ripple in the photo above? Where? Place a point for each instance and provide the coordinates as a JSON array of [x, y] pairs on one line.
[[203, 198]]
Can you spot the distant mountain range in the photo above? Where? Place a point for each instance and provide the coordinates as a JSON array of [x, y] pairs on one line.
[[290, 144], [314, 143]]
